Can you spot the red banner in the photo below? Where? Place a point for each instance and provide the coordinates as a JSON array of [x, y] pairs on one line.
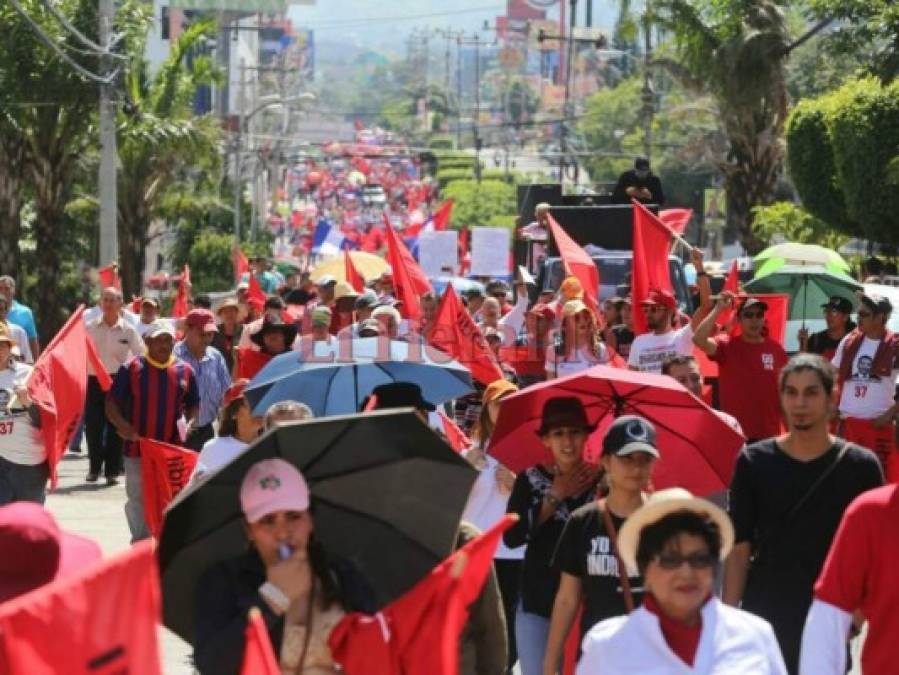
[[258, 656], [101, 621], [441, 216], [652, 241], [165, 470], [578, 262], [109, 277], [456, 333], [58, 386]]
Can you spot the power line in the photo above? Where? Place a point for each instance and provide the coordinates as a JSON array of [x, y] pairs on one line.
[[404, 17], [95, 48]]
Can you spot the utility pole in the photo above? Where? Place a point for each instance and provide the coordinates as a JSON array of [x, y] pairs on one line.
[[238, 163], [647, 93], [106, 177]]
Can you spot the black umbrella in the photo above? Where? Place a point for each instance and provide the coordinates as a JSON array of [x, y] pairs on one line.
[[387, 497]]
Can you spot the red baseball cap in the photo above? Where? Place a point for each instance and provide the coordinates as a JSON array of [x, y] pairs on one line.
[[36, 551], [235, 391], [543, 310], [660, 297], [203, 319]]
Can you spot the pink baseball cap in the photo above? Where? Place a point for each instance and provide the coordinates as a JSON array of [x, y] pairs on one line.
[[661, 297], [272, 485]]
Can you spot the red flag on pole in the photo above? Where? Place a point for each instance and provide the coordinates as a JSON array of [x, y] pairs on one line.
[[456, 333], [255, 295], [409, 281], [652, 241], [464, 259], [101, 620], [58, 385], [676, 219], [577, 262], [402, 638], [241, 264], [109, 277], [258, 655], [441, 216], [165, 471], [457, 438], [732, 284], [179, 307], [352, 274]]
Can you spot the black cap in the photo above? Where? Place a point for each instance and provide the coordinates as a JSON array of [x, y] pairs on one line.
[[753, 302], [629, 434], [838, 304], [399, 395], [473, 292], [641, 163], [564, 411], [876, 303]]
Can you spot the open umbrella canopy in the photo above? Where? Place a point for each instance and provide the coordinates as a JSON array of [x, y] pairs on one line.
[[335, 381], [387, 497], [368, 265], [808, 287], [698, 449], [794, 253]]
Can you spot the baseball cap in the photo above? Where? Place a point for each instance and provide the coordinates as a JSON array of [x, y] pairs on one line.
[[272, 485], [149, 301], [326, 280], [159, 327], [877, 303], [629, 434], [321, 316], [641, 163], [370, 325], [368, 298], [748, 303], [36, 551], [838, 304], [202, 319], [235, 391], [661, 297]]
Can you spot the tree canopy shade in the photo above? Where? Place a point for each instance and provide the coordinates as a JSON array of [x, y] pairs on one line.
[[484, 203], [840, 149]]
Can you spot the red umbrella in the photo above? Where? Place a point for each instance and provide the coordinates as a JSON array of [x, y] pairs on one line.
[[698, 449]]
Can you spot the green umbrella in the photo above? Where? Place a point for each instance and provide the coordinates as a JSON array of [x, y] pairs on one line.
[[809, 287], [794, 253]]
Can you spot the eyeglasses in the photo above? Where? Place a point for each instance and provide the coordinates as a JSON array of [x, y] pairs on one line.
[[653, 308], [753, 315], [696, 561]]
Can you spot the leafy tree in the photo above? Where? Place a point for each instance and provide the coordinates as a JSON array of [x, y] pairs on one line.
[[841, 150], [793, 223], [736, 50], [211, 266], [478, 203]]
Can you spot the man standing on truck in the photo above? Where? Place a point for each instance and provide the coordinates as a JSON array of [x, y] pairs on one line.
[[639, 183], [650, 350]]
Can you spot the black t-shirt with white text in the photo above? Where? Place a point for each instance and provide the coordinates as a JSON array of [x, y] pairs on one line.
[[585, 551]]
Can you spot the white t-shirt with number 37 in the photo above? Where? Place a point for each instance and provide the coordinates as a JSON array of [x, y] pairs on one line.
[[20, 441], [865, 396]]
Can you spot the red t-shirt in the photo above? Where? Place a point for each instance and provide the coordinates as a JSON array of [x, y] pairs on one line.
[[860, 573], [747, 383]]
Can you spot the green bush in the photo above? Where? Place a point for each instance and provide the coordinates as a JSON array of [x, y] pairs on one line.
[[442, 142], [479, 203], [793, 223], [446, 176], [211, 266]]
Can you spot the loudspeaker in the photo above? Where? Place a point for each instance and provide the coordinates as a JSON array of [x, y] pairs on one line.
[[531, 195]]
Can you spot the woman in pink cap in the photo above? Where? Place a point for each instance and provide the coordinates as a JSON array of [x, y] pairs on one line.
[[283, 573]]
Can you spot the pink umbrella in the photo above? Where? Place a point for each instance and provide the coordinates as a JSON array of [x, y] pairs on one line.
[[698, 449]]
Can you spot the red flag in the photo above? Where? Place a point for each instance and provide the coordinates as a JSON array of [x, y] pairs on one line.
[[250, 361], [732, 284], [352, 274], [255, 294], [179, 307], [241, 264], [409, 281], [258, 655], [464, 260], [577, 262], [441, 216], [109, 277], [456, 333], [99, 621], [676, 219], [58, 386], [652, 241], [402, 638], [165, 470], [457, 438]]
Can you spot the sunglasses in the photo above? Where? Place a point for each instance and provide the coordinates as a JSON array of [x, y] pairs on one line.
[[696, 561], [753, 315]]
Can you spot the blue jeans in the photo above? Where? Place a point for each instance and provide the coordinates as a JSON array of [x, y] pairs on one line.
[[23, 482], [531, 635], [134, 507]]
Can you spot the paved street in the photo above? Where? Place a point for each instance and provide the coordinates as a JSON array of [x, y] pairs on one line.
[[95, 511]]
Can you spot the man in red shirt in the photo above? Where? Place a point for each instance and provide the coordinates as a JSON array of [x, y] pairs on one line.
[[748, 367], [858, 574]]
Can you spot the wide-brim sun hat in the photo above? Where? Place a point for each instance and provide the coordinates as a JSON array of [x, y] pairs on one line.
[[664, 503]]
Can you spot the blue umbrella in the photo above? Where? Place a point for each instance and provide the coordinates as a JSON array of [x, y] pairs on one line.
[[338, 379]]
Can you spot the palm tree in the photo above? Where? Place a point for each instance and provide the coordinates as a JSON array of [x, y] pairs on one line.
[[736, 50]]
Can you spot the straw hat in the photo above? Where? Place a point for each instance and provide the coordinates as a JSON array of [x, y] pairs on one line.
[[664, 503]]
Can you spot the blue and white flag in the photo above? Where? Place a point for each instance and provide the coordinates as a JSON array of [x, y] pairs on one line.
[[328, 239]]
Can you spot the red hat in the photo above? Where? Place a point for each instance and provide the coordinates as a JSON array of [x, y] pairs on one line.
[[544, 310], [36, 551], [235, 391], [659, 297], [203, 319]]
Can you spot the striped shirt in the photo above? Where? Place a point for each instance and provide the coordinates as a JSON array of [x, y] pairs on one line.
[[212, 377], [152, 399]]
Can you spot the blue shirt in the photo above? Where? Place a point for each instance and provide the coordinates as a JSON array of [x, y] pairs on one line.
[[212, 377], [22, 316]]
